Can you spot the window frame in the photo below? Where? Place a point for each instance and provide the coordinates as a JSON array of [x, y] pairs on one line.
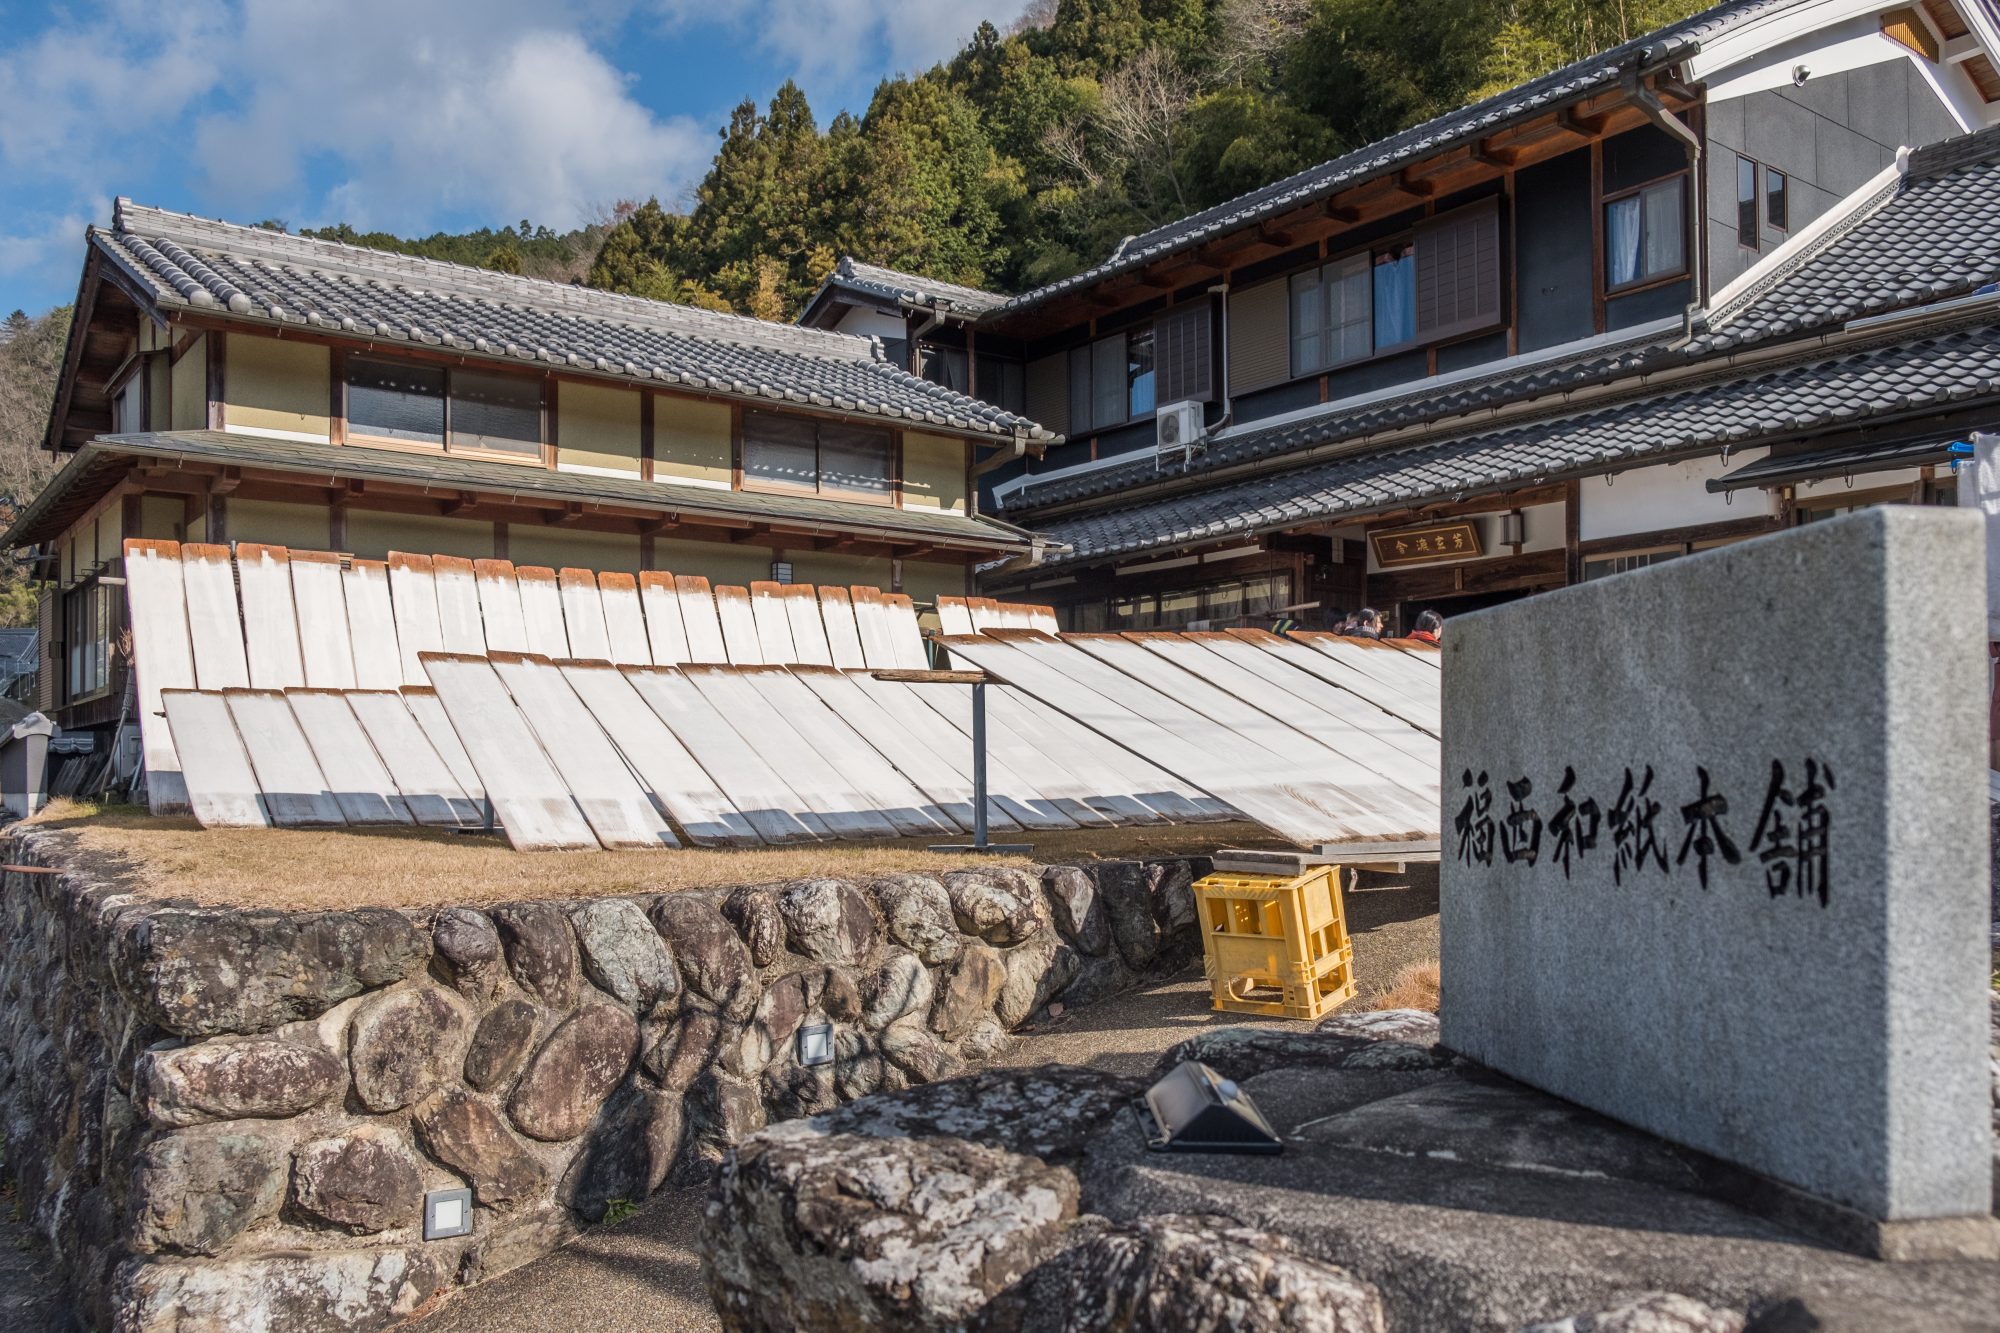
[[1085, 354], [1778, 201], [1604, 201], [891, 498], [1374, 251], [1753, 202], [351, 434]]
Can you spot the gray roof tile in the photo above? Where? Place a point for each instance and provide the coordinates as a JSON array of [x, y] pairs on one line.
[[1931, 235], [273, 278], [908, 288], [1892, 377]]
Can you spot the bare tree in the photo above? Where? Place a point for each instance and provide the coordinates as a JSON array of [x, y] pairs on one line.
[[1038, 14], [1252, 35], [1143, 105]]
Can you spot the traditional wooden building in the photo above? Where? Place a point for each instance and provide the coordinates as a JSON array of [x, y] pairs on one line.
[[227, 383], [1627, 310]]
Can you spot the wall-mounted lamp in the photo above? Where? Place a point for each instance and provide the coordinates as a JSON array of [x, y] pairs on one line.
[[781, 571], [1513, 528], [816, 1044]]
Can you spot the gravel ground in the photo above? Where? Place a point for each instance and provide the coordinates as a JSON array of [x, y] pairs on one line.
[[644, 1272], [30, 1300]]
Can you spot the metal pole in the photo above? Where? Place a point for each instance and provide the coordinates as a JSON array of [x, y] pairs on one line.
[[979, 767]]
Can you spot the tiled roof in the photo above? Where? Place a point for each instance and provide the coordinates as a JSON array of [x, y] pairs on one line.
[[98, 463], [1726, 411], [1425, 402], [909, 289], [268, 277], [1931, 234], [1775, 469], [1570, 83]]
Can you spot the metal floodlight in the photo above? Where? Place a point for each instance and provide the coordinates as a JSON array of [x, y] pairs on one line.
[[447, 1213], [1195, 1109], [816, 1044]]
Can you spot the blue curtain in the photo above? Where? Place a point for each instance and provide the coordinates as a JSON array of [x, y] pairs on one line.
[[1621, 241], [1395, 298]]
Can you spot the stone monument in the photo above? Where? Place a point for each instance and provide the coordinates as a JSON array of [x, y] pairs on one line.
[[1715, 863]]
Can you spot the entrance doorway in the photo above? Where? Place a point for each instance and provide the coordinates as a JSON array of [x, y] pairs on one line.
[[1406, 613]]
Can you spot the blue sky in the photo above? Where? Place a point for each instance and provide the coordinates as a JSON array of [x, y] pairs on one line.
[[404, 115]]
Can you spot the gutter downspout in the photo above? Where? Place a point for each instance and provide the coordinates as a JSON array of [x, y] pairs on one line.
[[1656, 111], [1221, 289]]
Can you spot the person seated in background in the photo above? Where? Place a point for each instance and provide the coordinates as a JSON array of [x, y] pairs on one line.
[[1430, 628], [1366, 624]]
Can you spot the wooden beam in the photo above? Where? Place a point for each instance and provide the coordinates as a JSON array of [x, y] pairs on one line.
[[463, 501], [565, 516], [750, 533]]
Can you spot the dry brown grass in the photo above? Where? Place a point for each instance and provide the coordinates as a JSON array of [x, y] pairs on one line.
[[1413, 987], [322, 868]]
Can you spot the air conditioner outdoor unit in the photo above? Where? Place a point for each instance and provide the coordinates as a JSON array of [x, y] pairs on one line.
[[1180, 429]]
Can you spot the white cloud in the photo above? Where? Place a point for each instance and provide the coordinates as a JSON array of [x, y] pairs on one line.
[[831, 45], [430, 110], [48, 248], [420, 112]]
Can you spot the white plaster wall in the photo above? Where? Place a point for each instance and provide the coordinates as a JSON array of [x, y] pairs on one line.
[[1668, 495], [871, 324], [1834, 487]]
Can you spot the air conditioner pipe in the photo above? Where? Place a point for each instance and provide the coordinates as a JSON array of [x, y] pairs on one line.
[[1228, 404]]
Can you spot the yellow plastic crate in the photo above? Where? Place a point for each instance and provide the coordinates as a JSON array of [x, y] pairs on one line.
[[1276, 945]]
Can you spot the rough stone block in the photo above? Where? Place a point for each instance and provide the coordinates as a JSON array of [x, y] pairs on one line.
[[1715, 855]]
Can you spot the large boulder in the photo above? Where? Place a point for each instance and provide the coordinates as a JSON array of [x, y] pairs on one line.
[[713, 961], [828, 921], [468, 952], [912, 1049], [1037, 972], [1077, 909], [1048, 1112], [1654, 1312], [966, 989], [627, 1155], [1128, 909], [857, 1233], [1171, 885], [917, 914], [196, 1190], [999, 904], [685, 1048], [1165, 1274], [573, 1072], [335, 1291], [900, 987], [753, 910], [469, 1136], [404, 1043], [624, 955], [200, 972], [499, 1044], [258, 1078], [782, 1008], [365, 1181], [541, 951]]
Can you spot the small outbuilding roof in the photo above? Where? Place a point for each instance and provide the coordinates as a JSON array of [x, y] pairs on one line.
[[910, 291]]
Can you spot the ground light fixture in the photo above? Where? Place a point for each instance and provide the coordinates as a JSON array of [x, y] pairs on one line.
[[447, 1213], [1195, 1109], [816, 1044]]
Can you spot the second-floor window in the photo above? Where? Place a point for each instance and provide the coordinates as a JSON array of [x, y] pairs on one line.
[[468, 411], [1440, 281], [1111, 381], [1645, 233], [831, 458]]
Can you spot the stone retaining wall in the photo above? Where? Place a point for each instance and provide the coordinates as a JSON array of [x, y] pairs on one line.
[[228, 1118]]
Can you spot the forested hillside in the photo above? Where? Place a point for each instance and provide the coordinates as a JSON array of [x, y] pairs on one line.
[[30, 358], [1030, 154]]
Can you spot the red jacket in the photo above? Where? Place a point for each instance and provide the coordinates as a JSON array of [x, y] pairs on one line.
[[1423, 636]]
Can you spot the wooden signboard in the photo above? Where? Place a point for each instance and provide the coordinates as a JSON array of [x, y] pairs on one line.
[[1457, 540]]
